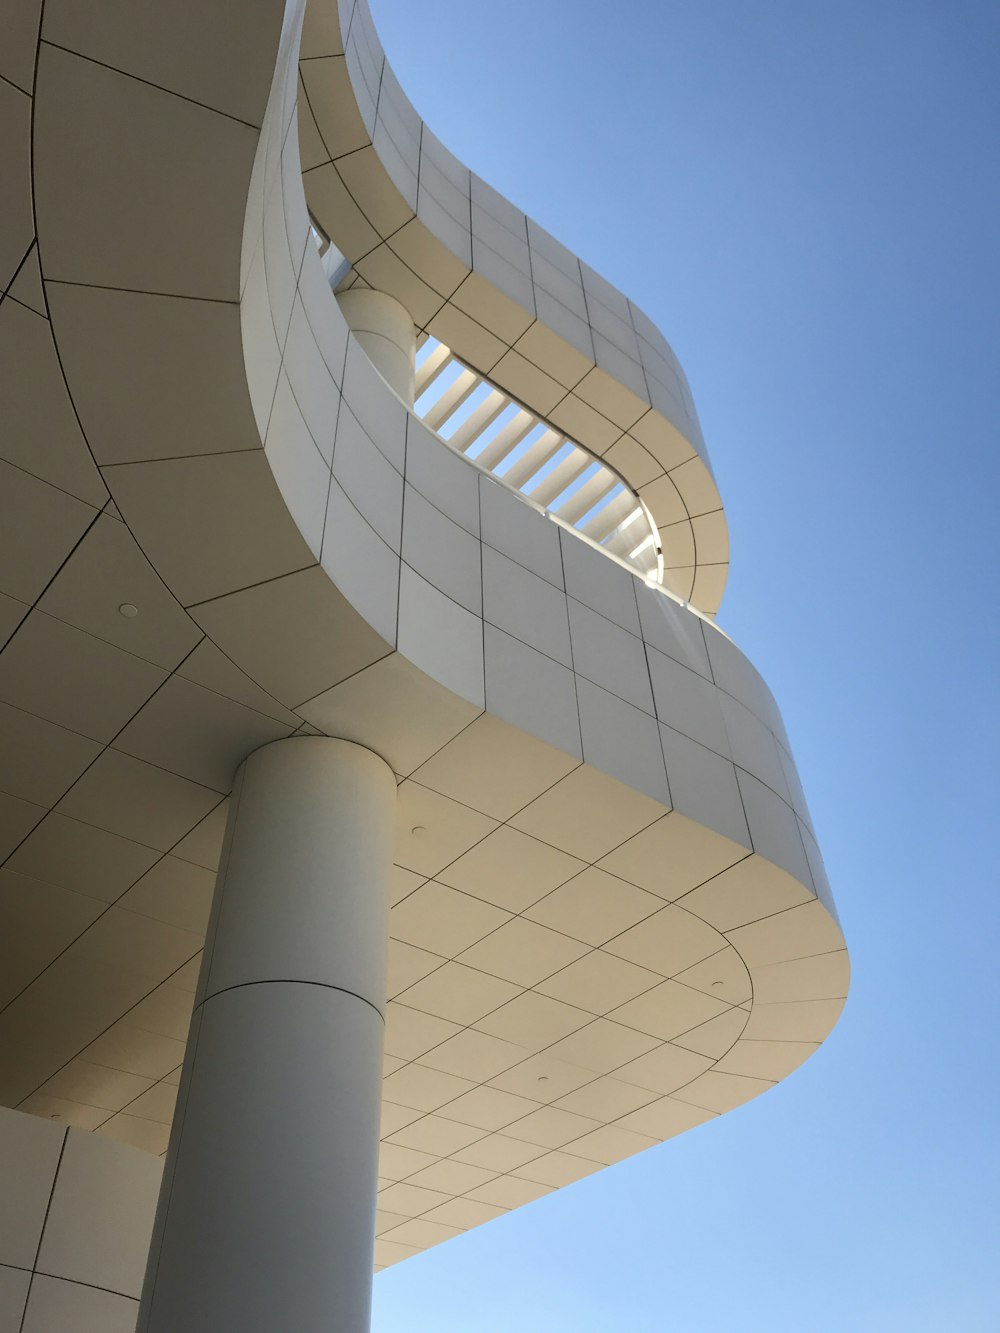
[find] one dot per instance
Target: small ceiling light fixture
(128, 610)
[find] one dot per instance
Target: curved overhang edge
(596, 591)
(703, 752)
(504, 294)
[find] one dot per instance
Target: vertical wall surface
(76, 1213)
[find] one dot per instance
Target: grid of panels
(479, 420)
(504, 295)
(120, 734)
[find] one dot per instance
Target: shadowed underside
(611, 921)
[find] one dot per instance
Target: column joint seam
(290, 981)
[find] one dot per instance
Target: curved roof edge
(209, 392)
(502, 293)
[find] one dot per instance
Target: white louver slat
(506, 441)
(583, 500)
(532, 458)
(609, 516)
(453, 397)
(563, 475)
(430, 368)
(484, 415)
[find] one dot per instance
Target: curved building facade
(391, 835)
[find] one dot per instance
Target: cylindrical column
(385, 330)
(266, 1219)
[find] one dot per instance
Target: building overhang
(612, 921)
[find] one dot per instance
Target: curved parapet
(77, 1212)
(611, 919)
(532, 458)
(502, 293)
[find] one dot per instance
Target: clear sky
(804, 195)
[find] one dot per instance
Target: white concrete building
(400, 600)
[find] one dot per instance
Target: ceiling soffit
(541, 885)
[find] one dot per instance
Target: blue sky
(804, 196)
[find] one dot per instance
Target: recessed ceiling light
(128, 610)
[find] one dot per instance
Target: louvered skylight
(530, 456)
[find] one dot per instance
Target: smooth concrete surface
(267, 1216)
(76, 1212)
